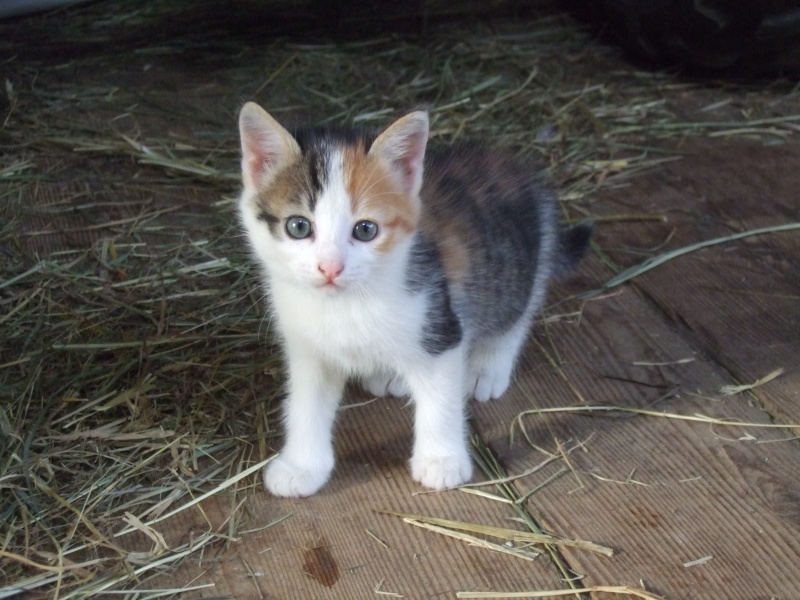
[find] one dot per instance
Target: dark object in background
(742, 38)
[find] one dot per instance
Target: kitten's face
(328, 213)
(335, 230)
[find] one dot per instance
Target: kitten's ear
(403, 145)
(265, 144)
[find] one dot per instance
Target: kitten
(417, 273)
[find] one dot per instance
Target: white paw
(490, 384)
(282, 478)
(441, 472)
(387, 384)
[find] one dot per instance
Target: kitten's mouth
(330, 287)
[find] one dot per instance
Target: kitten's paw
(398, 387)
(282, 478)
(490, 384)
(387, 384)
(441, 472)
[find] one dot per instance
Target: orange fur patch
(454, 255)
(375, 194)
(276, 196)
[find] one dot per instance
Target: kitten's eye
(298, 227)
(365, 231)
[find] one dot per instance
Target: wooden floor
(692, 509)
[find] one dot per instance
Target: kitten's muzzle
(330, 270)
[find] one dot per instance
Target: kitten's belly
(359, 336)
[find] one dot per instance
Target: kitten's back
(494, 225)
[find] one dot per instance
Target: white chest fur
(360, 331)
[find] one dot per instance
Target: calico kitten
(419, 273)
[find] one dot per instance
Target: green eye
(298, 227)
(365, 231)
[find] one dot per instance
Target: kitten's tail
(572, 245)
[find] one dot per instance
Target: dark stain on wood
(320, 565)
(646, 518)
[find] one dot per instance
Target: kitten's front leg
(306, 460)
(440, 458)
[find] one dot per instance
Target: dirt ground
(134, 345)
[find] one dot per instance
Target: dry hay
(136, 368)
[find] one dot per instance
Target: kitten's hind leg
(491, 362)
(306, 460)
(492, 359)
(386, 383)
(440, 458)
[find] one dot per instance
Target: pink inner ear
(403, 145)
(265, 144)
(413, 168)
(260, 152)
(411, 164)
(257, 160)
(408, 161)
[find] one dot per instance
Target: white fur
(440, 458)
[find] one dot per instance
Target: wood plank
(741, 301)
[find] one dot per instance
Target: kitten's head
(330, 210)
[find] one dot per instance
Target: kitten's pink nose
(331, 270)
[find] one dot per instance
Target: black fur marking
(316, 145)
(316, 174)
(313, 137)
(271, 220)
(442, 329)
